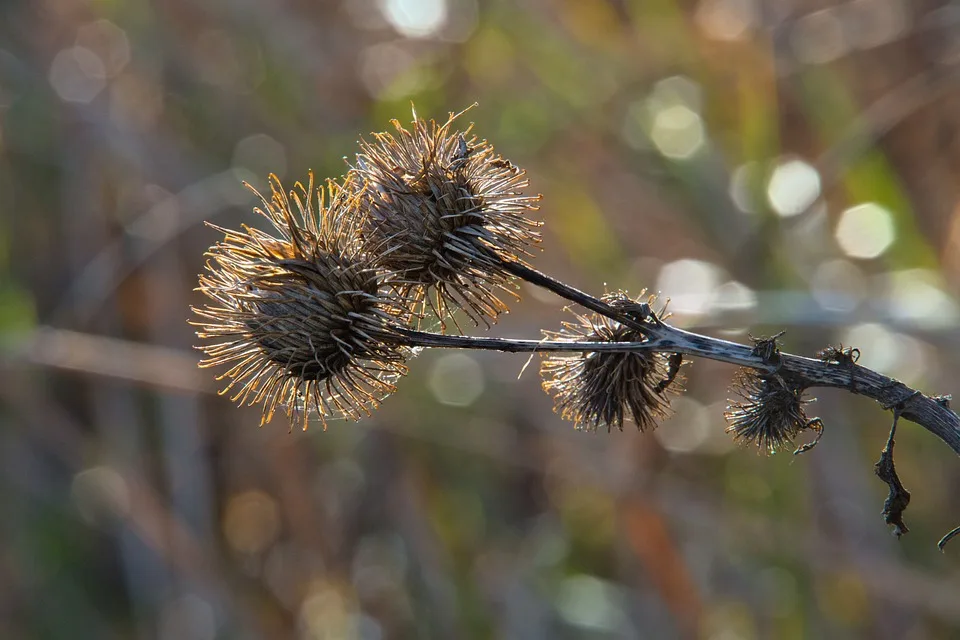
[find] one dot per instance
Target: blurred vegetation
(765, 165)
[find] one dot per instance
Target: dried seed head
(602, 388)
(769, 412)
(444, 210)
(295, 314)
(839, 355)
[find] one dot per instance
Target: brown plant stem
(933, 415)
(412, 338)
(531, 275)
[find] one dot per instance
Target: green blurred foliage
(141, 504)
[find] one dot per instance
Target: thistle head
(597, 389)
(299, 314)
(768, 412)
(444, 211)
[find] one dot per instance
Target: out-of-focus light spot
(734, 296)
(727, 19)
(668, 118)
(326, 612)
(917, 297)
(865, 231)
(189, 616)
(230, 187)
(676, 128)
(689, 284)
(457, 380)
(461, 21)
(838, 285)
(742, 185)
(819, 37)
(809, 240)
(415, 18)
(588, 602)
(251, 521)
(793, 187)
(717, 441)
(687, 429)
(888, 352)
(878, 346)
(109, 42)
(872, 23)
(677, 132)
(77, 75)
(673, 91)
(388, 71)
(100, 494)
(261, 155)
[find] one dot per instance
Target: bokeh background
(789, 165)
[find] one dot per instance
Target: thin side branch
(412, 338)
(572, 294)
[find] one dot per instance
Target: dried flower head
(603, 388)
(769, 412)
(846, 356)
(444, 211)
(300, 315)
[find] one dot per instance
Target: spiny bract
(298, 315)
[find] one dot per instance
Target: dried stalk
(930, 412)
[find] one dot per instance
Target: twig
(143, 363)
(947, 538)
(931, 414)
(412, 338)
(898, 498)
(585, 300)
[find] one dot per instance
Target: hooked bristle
(444, 211)
(597, 389)
(295, 314)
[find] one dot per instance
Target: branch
(572, 294)
(412, 338)
(931, 413)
